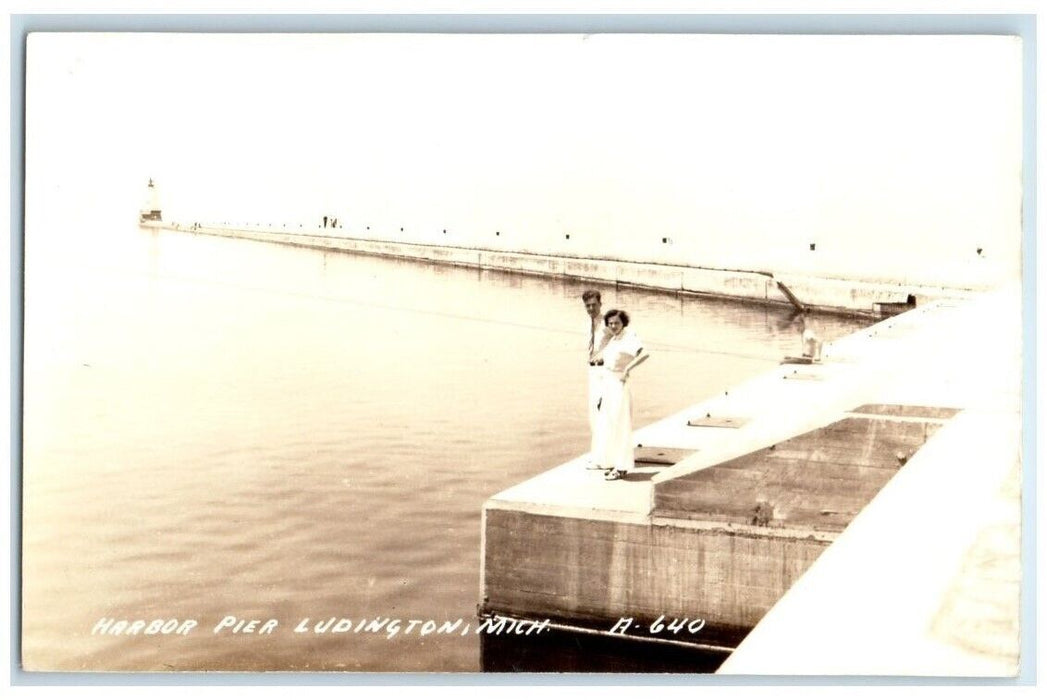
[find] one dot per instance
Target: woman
(621, 353)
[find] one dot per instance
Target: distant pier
(830, 295)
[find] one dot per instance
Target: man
(596, 333)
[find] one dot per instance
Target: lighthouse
(151, 209)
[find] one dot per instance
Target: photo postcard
(690, 353)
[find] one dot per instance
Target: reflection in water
(216, 427)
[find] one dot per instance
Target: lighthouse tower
(151, 210)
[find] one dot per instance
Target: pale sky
(719, 143)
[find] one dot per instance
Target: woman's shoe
(613, 475)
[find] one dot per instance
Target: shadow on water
(572, 652)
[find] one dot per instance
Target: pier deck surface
(925, 579)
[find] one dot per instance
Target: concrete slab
(815, 481)
(711, 421)
(926, 580)
(655, 456)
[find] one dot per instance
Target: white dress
(615, 435)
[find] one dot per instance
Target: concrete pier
(868, 298)
(796, 467)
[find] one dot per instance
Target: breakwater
(738, 497)
(826, 294)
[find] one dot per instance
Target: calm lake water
(219, 427)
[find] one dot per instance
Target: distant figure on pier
(621, 352)
(810, 343)
(595, 333)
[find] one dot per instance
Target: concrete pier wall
(599, 570)
(727, 540)
(772, 475)
(823, 293)
(816, 481)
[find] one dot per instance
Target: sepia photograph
(484, 352)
